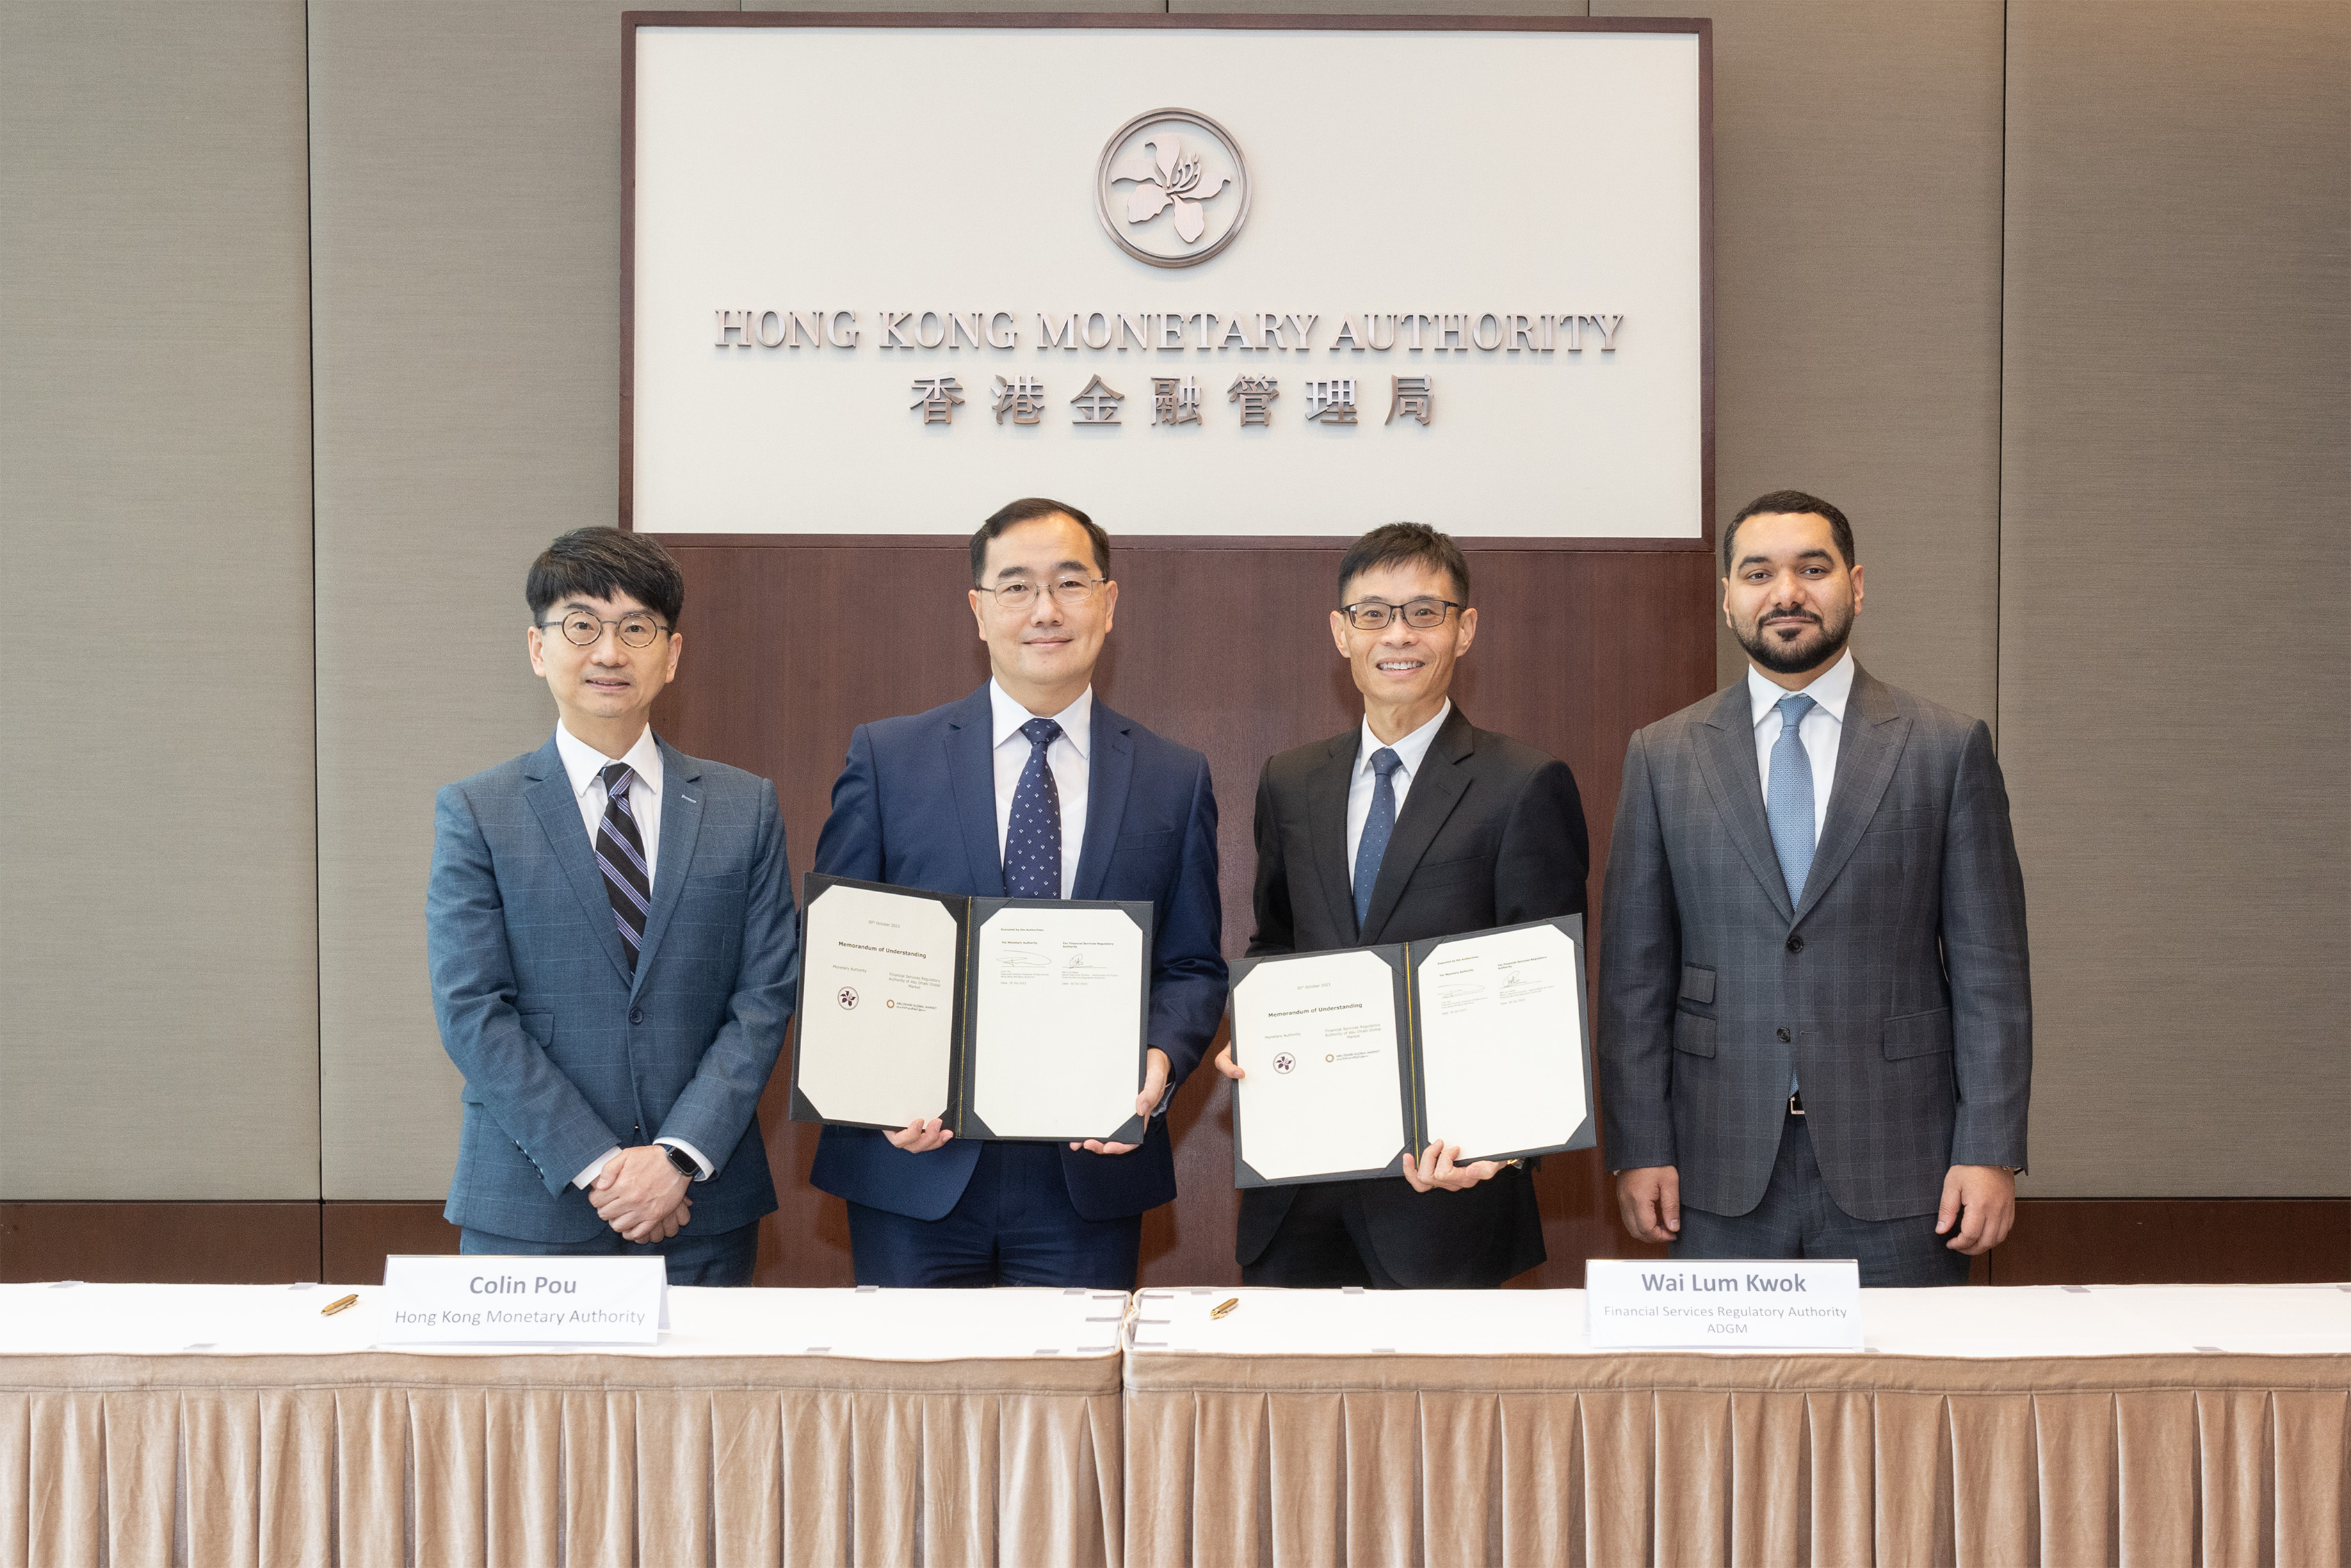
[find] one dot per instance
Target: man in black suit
(1414, 823)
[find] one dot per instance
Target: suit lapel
(1326, 827)
(971, 776)
(1436, 790)
(558, 809)
(681, 825)
(1726, 759)
(1110, 764)
(1874, 735)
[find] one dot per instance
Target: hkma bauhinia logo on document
(1285, 1062)
(848, 997)
(1171, 187)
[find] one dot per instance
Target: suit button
(1783, 1037)
(1795, 944)
(636, 1015)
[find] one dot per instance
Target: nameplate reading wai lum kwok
(1723, 1305)
(524, 1301)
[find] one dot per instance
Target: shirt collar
(1077, 720)
(1830, 690)
(1411, 748)
(582, 762)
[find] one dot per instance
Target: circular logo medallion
(1171, 188)
(1285, 1062)
(848, 997)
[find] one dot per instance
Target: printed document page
(877, 1024)
(1057, 1000)
(1501, 1037)
(1317, 1037)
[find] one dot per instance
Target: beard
(1825, 641)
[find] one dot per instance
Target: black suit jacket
(1491, 834)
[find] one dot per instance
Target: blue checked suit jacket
(915, 806)
(1893, 983)
(566, 1051)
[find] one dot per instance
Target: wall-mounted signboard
(1212, 277)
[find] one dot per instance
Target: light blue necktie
(1378, 828)
(1788, 802)
(1032, 842)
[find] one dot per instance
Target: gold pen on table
(332, 1308)
(1221, 1308)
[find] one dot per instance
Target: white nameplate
(524, 1301)
(1723, 1305)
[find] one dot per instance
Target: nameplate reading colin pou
(480, 1300)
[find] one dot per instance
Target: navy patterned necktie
(621, 853)
(1032, 845)
(1378, 829)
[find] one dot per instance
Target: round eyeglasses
(1066, 591)
(636, 631)
(1371, 614)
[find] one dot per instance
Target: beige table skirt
(523, 1461)
(1296, 1460)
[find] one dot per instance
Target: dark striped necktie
(620, 853)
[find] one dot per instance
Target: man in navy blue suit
(1031, 788)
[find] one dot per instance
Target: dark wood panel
(2057, 1242)
(180, 1243)
(354, 1239)
(1226, 648)
(2175, 1241)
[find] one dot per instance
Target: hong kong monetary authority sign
(1200, 280)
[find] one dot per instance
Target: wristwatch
(682, 1160)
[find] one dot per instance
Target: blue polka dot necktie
(1378, 829)
(1032, 845)
(621, 855)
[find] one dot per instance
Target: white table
(2054, 1424)
(768, 1427)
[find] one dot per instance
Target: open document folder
(1007, 1018)
(1358, 1058)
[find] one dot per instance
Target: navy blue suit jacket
(566, 1051)
(915, 807)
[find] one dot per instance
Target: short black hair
(1393, 543)
(1028, 510)
(1794, 503)
(605, 563)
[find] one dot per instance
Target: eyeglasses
(1370, 615)
(1066, 591)
(636, 631)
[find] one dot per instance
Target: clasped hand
(924, 1134)
(1433, 1171)
(641, 1194)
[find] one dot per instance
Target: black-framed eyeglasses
(1371, 615)
(637, 631)
(1066, 591)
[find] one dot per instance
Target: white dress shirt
(1412, 750)
(1067, 759)
(584, 766)
(1822, 728)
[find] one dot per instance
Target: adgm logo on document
(1172, 187)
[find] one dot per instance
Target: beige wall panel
(160, 1027)
(1856, 295)
(2173, 654)
(466, 232)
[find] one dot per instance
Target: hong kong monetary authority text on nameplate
(1723, 1305)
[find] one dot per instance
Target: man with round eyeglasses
(584, 898)
(1412, 824)
(1031, 788)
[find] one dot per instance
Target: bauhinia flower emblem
(1169, 180)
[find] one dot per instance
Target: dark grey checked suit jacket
(1893, 983)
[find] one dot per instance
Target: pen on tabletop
(332, 1308)
(1222, 1308)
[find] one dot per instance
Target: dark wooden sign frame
(1700, 26)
